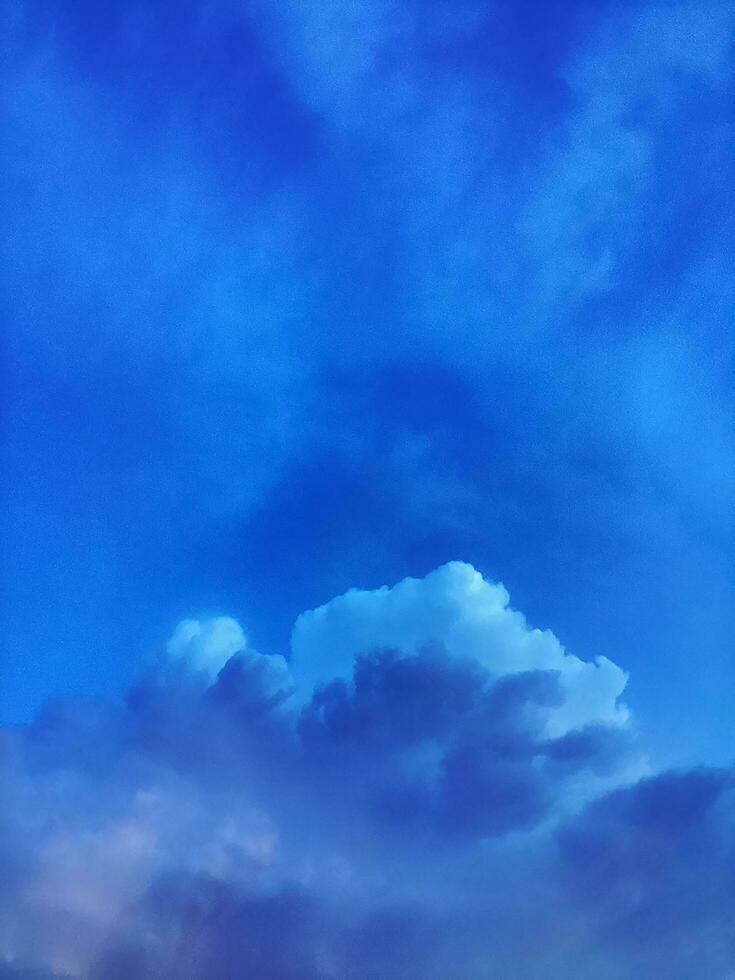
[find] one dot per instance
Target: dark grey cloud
(652, 865)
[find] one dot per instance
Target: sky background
(402, 298)
(315, 295)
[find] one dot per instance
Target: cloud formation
(417, 805)
(473, 619)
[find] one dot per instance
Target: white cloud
(206, 644)
(453, 606)
(468, 616)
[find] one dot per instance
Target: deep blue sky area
(367, 521)
(306, 296)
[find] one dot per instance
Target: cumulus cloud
(470, 617)
(206, 645)
(417, 809)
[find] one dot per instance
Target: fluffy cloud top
(470, 617)
(206, 645)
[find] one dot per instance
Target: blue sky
(286, 317)
(313, 296)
